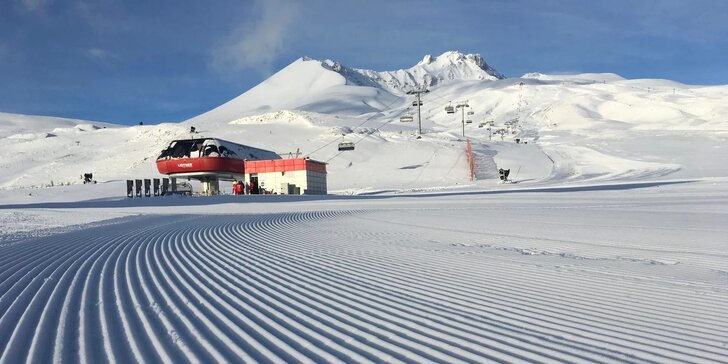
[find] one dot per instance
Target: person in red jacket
(237, 188)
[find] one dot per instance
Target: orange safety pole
(471, 159)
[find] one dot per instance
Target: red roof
(284, 165)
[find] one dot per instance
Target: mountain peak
(451, 57)
(430, 71)
(459, 59)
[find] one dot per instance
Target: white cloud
(99, 54)
(254, 45)
(34, 5)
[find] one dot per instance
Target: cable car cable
(356, 127)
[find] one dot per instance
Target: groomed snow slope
(628, 273)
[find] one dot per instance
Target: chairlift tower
(462, 106)
(418, 103)
(490, 124)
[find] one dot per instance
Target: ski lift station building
(293, 176)
(211, 160)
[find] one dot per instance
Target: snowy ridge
(20, 126)
(576, 78)
(305, 84)
(431, 71)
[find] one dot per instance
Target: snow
(25, 126)
(292, 88)
(610, 247)
(431, 71)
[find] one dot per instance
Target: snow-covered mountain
(431, 71)
(579, 128)
(329, 87)
(18, 126)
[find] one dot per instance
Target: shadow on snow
(212, 200)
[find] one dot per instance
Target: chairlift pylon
(414, 103)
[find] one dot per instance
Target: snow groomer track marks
(294, 287)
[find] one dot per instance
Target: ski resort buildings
(211, 160)
(295, 176)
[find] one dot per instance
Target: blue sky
(158, 61)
